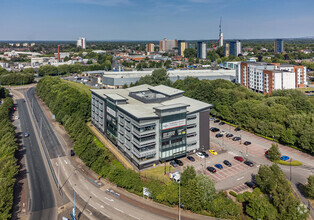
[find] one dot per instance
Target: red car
(267, 152)
(238, 158)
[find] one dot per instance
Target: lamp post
(179, 199)
(290, 169)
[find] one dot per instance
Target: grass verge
(81, 87)
(287, 163)
(157, 173)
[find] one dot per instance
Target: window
(191, 117)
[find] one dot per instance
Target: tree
(274, 153)
(47, 70)
(206, 188)
(310, 187)
(188, 174)
(190, 53)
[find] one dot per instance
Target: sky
(154, 19)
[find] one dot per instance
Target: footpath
(128, 197)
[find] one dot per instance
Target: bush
(287, 163)
(233, 193)
(309, 188)
(274, 153)
(243, 197)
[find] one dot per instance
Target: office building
(266, 77)
(166, 45)
(150, 47)
(151, 124)
(227, 49)
(182, 45)
(114, 80)
(81, 42)
(278, 46)
(235, 48)
(201, 50)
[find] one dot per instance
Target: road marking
(232, 153)
(105, 202)
(105, 214)
(240, 178)
(134, 217)
(118, 210)
(90, 213)
(65, 162)
(111, 200)
(57, 164)
(94, 194)
(102, 206)
(93, 206)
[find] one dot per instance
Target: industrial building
(151, 124)
(201, 50)
(114, 80)
(266, 77)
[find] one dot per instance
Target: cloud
(104, 2)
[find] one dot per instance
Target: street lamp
(179, 198)
(290, 168)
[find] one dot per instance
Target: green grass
(287, 163)
(305, 89)
(156, 173)
(79, 86)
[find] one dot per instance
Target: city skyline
(105, 20)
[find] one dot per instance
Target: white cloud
(104, 2)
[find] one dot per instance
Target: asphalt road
(51, 141)
(42, 197)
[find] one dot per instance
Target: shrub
(233, 193)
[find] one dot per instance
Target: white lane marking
(90, 213)
(105, 214)
(102, 206)
(118, 210)
(98, 203)
(93, 206)
(134, 217)
(94, 194)
(232, 153)
(240, 178)
(111, 200)
(65, 162)
(57, 164)
(104, 202)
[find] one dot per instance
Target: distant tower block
(221, 38)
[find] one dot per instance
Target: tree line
(72, 109)
(16, 78)
(8, 162)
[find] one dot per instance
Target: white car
(200, 155)
(223, 132)
(16, 117)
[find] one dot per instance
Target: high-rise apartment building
(150, 47)
(227, 49)
(182, 45)
(278, 46)
(235, 48)
(151, 124)
(266, 77)
(201, 50)
(81, 42)
(166, 45)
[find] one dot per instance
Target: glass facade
(111, 121)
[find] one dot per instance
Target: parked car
(213, 129)
(211, 169)
(238, 158)
(173, 163)
(212, 119)
(247, 143)
(14, 108)
(251, 184)
(226, 162)
(219, 166)
(190, 158)
(266, 152)
(237, 129)
(216, 121)
(284, 158)
(222, 123)
(26, 134)
(249, 163)
(219, 135)
(205, 154)
(229, 135)
(236, 138)
(179, 162)
(16, 117)
(72, 153)
(213, 152)
(200, 155)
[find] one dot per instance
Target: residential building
(278, 46)
(113, 80)
(182, 45)
(201, 50)
(151, 124)
(227, 49)
(150, 47)
(235, 48)
(166, 45)
(266, 77)
(81, 42)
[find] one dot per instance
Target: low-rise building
(151, 124)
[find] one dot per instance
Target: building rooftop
(141, 106)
